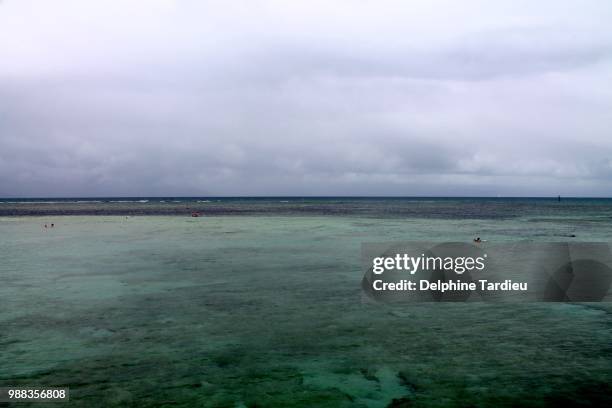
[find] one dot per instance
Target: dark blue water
(381, 207)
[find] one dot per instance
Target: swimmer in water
(477, 240)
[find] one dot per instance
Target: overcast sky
(334, 97)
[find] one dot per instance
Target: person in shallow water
(477, 240)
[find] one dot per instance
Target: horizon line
(295, 196)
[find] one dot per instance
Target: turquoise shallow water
(267, 311)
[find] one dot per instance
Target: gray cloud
(268, 98)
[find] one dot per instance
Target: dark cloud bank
(268, 98)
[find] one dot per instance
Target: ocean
(257, 303)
